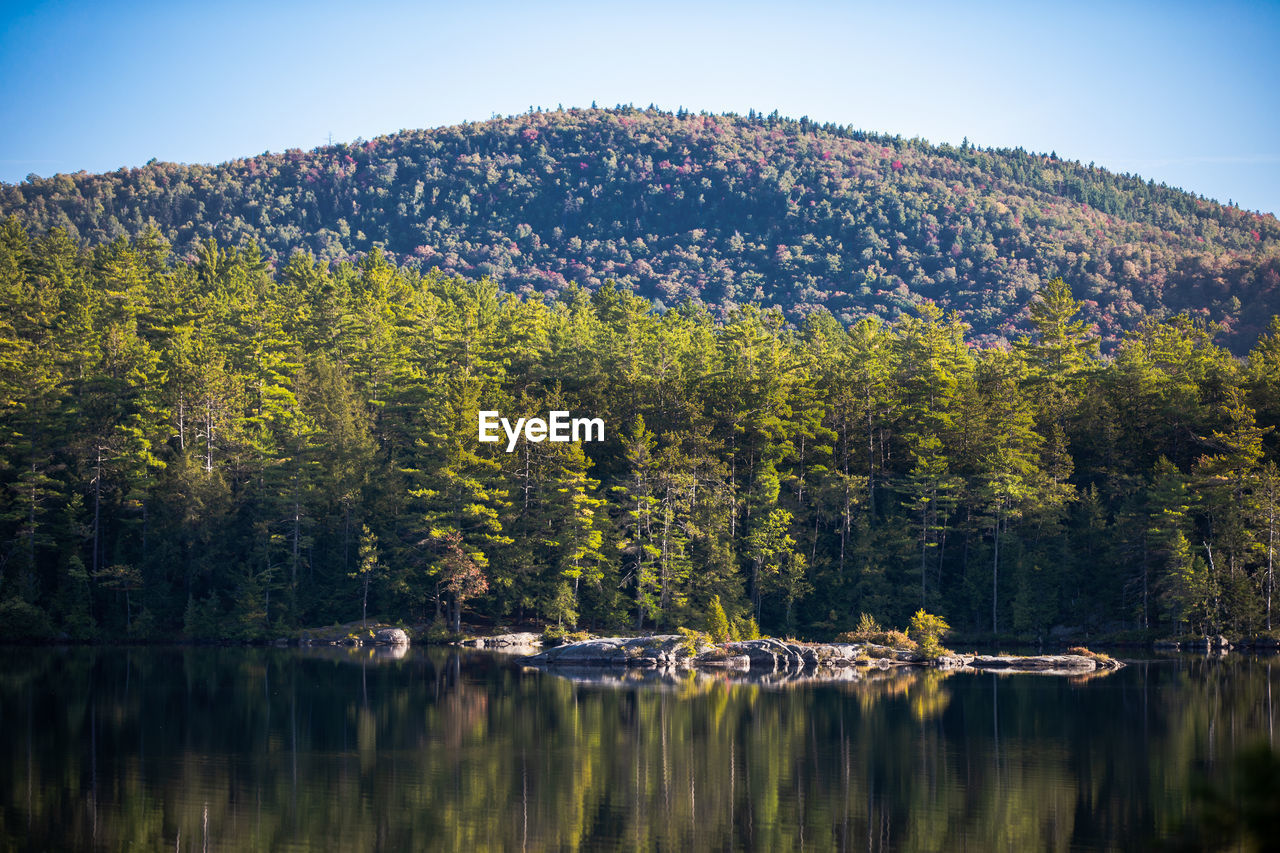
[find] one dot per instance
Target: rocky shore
(835, 661)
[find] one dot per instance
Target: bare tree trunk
(31, 523)
(182, 423)
(1213, 573)
(1145, 623)
(924, 549)
(97, 508)
(995, 577)
(871, 464)
(1271, 556)
(208, 436)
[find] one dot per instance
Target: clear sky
(1187, 94)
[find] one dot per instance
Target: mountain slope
(726, 209)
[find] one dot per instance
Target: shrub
(692, 641)
(1081, 650)
(869, 631)
(23, 622)
(747, 629)
(897, 639)
(927, 630)
(439, 632)
(718, 622)
(202, 618)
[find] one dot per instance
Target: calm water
(216, 749)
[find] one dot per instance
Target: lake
(326, 749)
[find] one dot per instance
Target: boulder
(770, 655)
(391, 637)
(1043, 663)
(662, 650)
(522, 639)
(720, 659)
(519, 640)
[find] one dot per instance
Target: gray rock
(770, 655)
(391, 637)
(779, 660)
(516, 641)
(721, 659)
(523, 639)
(656, 651)
(1043, 663)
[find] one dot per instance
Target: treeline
(728, 210)
(214, 448)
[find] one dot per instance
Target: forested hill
(726, 209)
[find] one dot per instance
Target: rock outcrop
(777, 658)
(660, 650)
(1043, 663)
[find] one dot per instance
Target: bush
(927, 630)
(718, 622)
(1081, 650)
(746, 629)
(201, 619)
(867, 625)
(897, 639)
(23, 622)
(145, 626)
(692, 641)
(870, 632)
(439, 632)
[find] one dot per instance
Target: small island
(853, 653)
(835, 661)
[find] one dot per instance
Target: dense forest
(216, 448)
(726, 210)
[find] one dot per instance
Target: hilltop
(724, 209)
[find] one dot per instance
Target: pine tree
(367, 568)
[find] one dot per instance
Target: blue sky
(1187, 94)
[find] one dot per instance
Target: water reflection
(330, 748)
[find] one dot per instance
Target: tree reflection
(326, 748)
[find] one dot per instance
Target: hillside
(725, 209)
